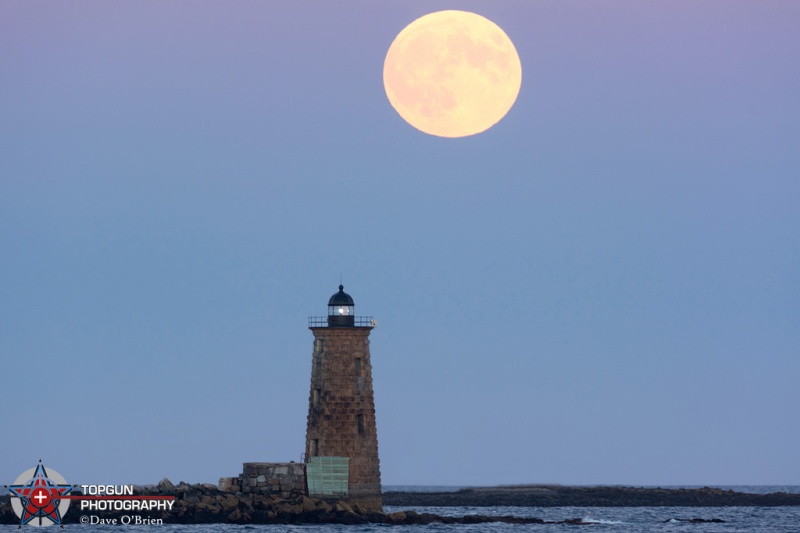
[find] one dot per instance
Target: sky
(603, 288)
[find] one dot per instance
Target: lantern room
(340, 309)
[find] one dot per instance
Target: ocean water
(617, 519)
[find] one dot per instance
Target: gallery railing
(358, 321)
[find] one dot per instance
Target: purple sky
(603, 288)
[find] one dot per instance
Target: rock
(396, 517)
(345, 507)
(191, 495)
(308, 505)
(208, 508)
(260, 502)
(165, 485)
(374, 517)
(229, 503)
(289, 508)
(324, 506)
(350, 518)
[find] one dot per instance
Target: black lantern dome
(340, 309)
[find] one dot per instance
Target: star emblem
(40, 497)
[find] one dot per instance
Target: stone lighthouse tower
(341, 439)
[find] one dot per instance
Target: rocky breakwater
(206, 504)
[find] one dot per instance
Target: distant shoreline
(587, 496)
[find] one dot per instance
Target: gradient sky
(603, 288)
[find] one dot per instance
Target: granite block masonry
(287, 480)
(341, 412)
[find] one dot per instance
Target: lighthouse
(341, 437)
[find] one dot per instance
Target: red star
(40, 497)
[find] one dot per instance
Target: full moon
(452, 74)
